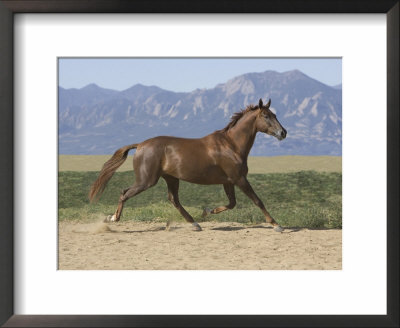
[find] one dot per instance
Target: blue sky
(185, 74)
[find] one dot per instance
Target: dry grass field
(257, 165)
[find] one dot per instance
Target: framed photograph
(320, 81)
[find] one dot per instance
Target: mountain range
(94, 120)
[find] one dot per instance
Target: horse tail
(108, 171)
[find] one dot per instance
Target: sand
(130, 245)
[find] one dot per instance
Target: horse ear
(260, 103)
(268, 103)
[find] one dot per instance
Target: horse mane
(237, 116)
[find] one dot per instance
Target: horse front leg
(230, 192)
(245, 186)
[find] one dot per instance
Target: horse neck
(243, 134)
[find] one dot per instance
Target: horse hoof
(168, 226)
(206, 212)
(110, 218)
(278, 228)
(196, 227)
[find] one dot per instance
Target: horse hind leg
(146, 177)
(173, 187)
(130, 192)
(230, 192)
(127, 193)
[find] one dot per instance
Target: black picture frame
(8, 200)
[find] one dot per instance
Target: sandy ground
(128, 245)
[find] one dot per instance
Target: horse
(217, 158)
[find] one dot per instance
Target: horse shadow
(310, 228)
(287, 229)
(153, 230)
(229, 228)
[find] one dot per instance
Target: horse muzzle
(280, 135)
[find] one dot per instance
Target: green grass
(301, 199)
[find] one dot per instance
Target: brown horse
(218, 158)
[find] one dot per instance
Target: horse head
(268, 123)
